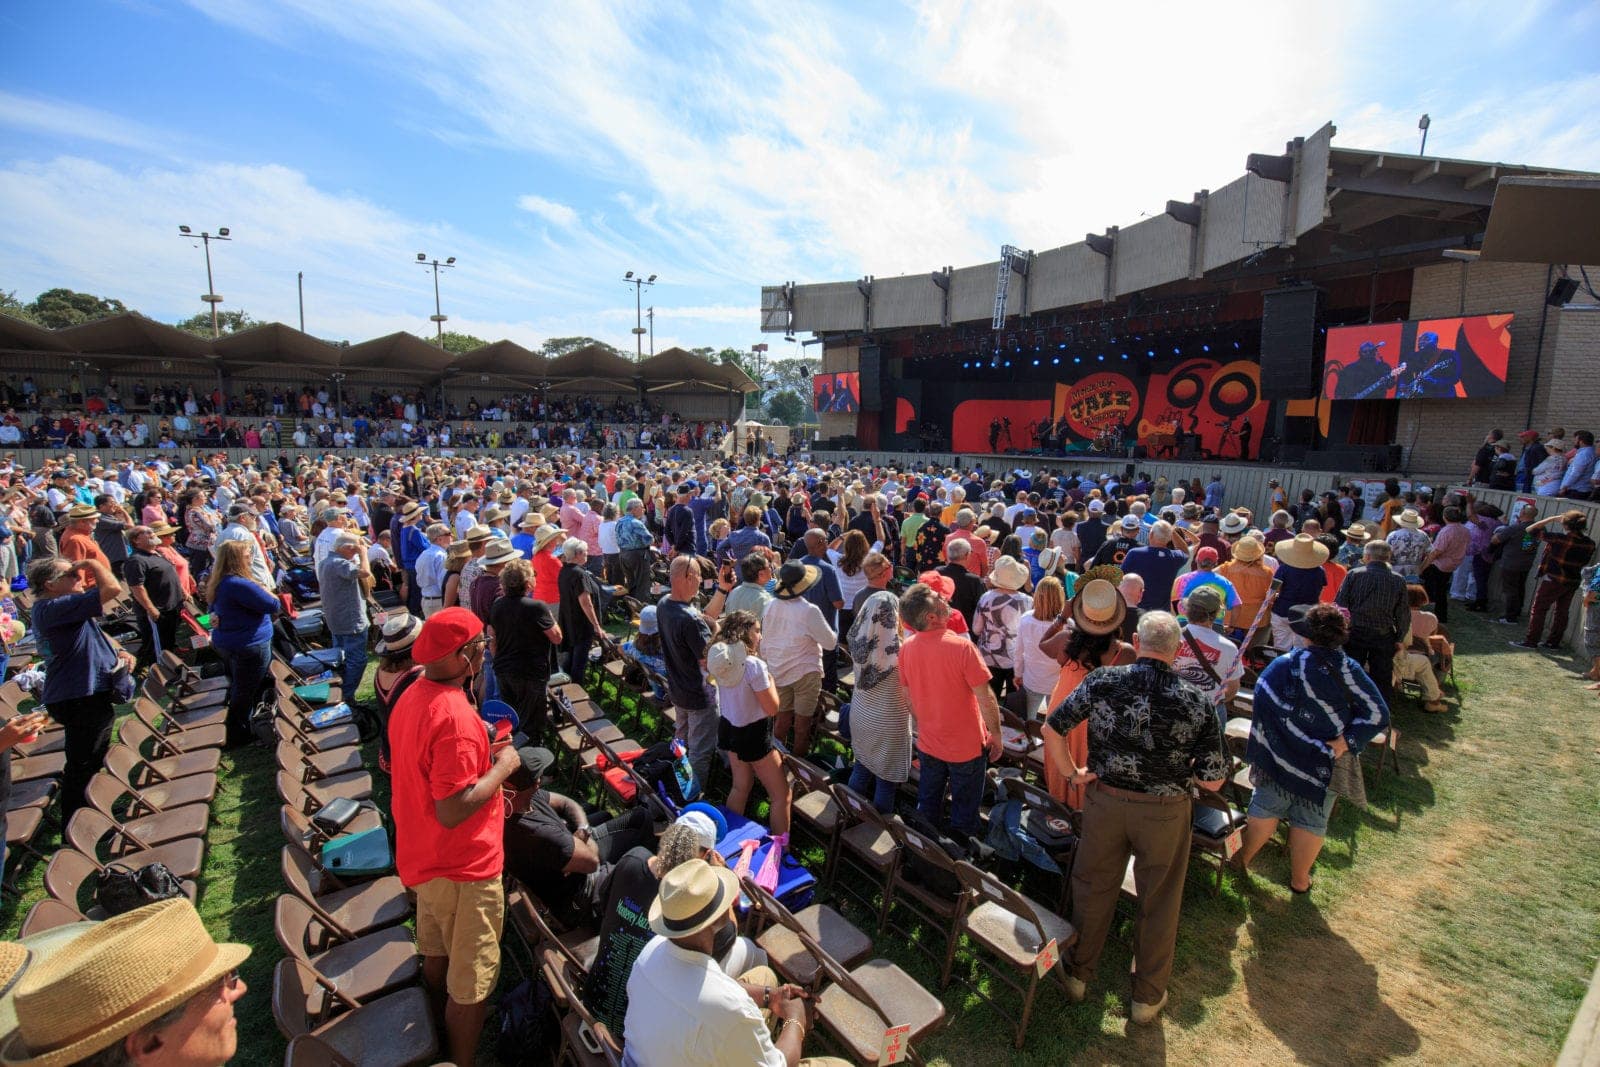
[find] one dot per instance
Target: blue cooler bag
(366, 852)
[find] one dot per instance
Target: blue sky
(551, 147)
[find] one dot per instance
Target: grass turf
(1455, 920)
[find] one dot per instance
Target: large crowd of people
(1120, 617)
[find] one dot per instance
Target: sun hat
(445, 632)
(795, 578)
(412, 512)
(79, 512)
(493, 514)
(399, 633)
(693, 896)
(16, 957)
(163, 529)
(546, 533)
(1410, 519)
(942, 584)
(1098, 608)
(458, 550)
(112, 979)
(1248, 549)
(1049, 560)
(647, 620)
(530, 520)
(709, 824)
(987, 534)
(1557, 444)
(1302, 551)
(725, 662)
(478, 532)
(1234, 523)
(1357, 532)
(1010, 573)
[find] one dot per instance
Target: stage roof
(1313, 210)
(1545, 220)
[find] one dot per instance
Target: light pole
(300, 287)
(437, 318)
(1422, 124)
(210, 296)
(650, 313)
(638, 313)
(338, 396)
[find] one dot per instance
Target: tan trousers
(1156, 832)
(766, 976)
(1415, 667)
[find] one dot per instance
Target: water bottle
(688, 788)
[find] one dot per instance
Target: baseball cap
(1097, 507)
(1206, 598)
(1130, 522)
(1206, 555)
(444, 633)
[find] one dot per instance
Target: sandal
(1301, 892)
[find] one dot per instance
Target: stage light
(1236, 345)
(1177, 351)
(1101, 357)
(1008, 363)
(1077, 359)
(1205, 348)
(1061, 346)
(1035, 363)
(963, 366)
(1151, 353)
(1124, 355)
(1056, 362)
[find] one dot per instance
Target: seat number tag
(1234, 842)
(896, 1045)
(1047, 958)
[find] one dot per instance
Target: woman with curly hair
(1313, 706)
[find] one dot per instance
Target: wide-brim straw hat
(1358, 533)
(1249, 549)
(1049, 559)
(501, 551)
(1009, 573)
(79, 512)
(477, 533)
(399, 633)
(1302, 551)
(693, 896)
(412, 512)
(163, 529)
(544, 535)
(1099, 608)
(111, 980)
(795, 578)
(1410, 518)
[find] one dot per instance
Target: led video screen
(836, 393)
(1420, 359)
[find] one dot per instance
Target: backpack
(935, 880)
(527, 1025)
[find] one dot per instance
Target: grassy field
(1454, 921)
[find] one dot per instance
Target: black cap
(536, 761)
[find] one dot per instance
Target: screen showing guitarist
(1437, 370)
(1368, 378)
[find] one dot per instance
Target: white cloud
(77, 122)
(549, 210)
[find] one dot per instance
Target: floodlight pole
(300, 287)
(210, 296)
(650, 313)
(638, 284)
(438, 318)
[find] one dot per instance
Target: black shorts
(748, 743)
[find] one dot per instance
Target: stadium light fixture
(438, 318)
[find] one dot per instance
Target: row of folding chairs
(347, 991)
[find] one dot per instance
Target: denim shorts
(1272, 801)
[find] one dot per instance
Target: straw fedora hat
(1248, 549)
(399, 633)
(1302, 551)
(412, 512)
(501, 551)
(17, 957)
(1098, 608)
(1358, 533)
(1049, 560)
(1009, 573)
(108, 982)
(725, 663)
(79, 512)
(693, 896)
(1410, 519)
(795, 578)
(163, 529)
(478, 532)
(544, 535)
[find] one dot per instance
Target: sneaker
(1551, 645)
(1435, 707)
(1143, 1014)
(1522, 644)
(1504, 622)
(1077, 989)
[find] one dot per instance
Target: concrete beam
(1372, 166)
(1426, 172)
(1487, 174)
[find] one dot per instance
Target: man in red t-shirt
(958, 720)
(449, 830)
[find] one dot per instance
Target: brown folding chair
(303, 834)
(185, 679)
(339, 770)
(362, 968)
(396, 1030)
(47, 914)
(1218, 829)
(868, 846)
(88, 828)
(584, 1038)
(813, 808)
(843, 940)
(174, 735)
(940, 911)
(1038, 804)
(154, 787)
(1009, 926)
(70, 872)
(857, 1005)
(577, 946)
(352, 910)
(141, 818)
(312, 797)
(43, 765)
(293, 727)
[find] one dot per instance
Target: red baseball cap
(1206, 555)
(444, 633)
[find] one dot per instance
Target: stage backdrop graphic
(836, 393)
(1099, 402)
(1220, 403)
(971, 422)
(1420, 359)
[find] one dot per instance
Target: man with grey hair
(332, 520)
(1150, 734)
(685, 635)
(969, 587)
(343, 577)
(243, 526)
(633, 549)
(1375, 596)
(977, 559)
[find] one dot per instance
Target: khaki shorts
(800, 697)
(462, 922)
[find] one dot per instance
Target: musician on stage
(1359, 380)
(1434, 370)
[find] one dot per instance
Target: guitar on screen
(1381, 384)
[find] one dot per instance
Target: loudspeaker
(1288, 329)
(871, 366)
(1562, 292)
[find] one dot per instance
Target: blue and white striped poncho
(1303, 700)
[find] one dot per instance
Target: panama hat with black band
(794, 579)
(693, 896)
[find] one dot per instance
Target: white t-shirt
(608, 538)
(1067, 541)
(1219, 652)
(793, 637)
(1039, 672)
(683, 1009)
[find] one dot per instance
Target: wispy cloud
(555, 214)
(77, 122)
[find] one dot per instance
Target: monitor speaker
(871, 366)
(1562, 292)
(1288, 330)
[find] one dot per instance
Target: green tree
(785, 406)
(707, 353)
(10, 305)
(560, 346)
(455, 342)
(227, 322)
(56, 308)
(798, 372)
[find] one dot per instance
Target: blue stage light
(1035, 363)
(1151, 353)
(1061, 346)
(1205, 348)
(963, 366)
(1077, 359)
(1124, 355)
(1056, 362)
(1101, 358)
(1177, 351)
(1236, 345)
